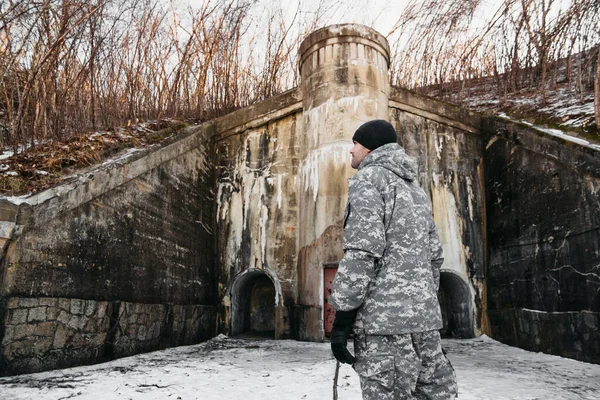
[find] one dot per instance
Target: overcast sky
(381, 14)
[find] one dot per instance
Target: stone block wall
(44, 333)
(47, 333)
(143, 327)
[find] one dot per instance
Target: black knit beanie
(374, 134)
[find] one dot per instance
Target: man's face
(359, 152)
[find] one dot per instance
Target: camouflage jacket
(392, 252)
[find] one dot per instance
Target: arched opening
(253, 305)
(457, 308)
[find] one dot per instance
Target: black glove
(342, 326)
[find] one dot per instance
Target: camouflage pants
(407, 366)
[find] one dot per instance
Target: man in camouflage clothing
(386, 285)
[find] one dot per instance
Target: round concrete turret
(345, 82)
(346, 61)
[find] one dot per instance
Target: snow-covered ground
(234, 369)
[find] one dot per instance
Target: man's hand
(342, 326)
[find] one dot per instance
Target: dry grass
(40, 167)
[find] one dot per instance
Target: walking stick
(335, 380)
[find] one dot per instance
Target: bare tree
(439, 42)
(67, 66)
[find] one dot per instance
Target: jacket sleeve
(364, 243)
(436, 253)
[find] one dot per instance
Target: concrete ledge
(258, 114)
(576, 156)
(93, 182)
(435, 110)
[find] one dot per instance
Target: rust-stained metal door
(328, 311)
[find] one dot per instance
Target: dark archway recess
(457, 308)
(253, 305)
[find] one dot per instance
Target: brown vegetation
(72, 67)
(449, 43)
(44, 165)
(68, 66)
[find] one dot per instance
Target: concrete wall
(281, 178)
(543, 218)
(448, 145)
(517, 209)
(256, 183)
(282, 169)
(120, 260)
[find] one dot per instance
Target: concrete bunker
(457, 307)
(253, 299)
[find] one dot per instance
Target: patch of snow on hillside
(6, 154)
(554, 132)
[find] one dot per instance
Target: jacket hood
(393, 157)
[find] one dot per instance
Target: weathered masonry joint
(235, 226)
